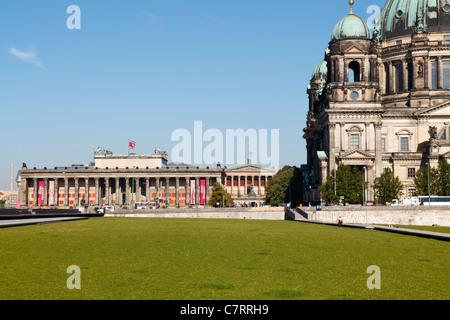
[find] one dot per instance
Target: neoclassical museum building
(129, 180)
(381, 99)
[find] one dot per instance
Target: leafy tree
(217, 196)
(387, 187)
(444, 178)
(285, 185)
(349, 184)
(421, 181)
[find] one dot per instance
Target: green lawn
(139, 258)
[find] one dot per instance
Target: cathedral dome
(351, 27)
(320, 71)
(400, 18)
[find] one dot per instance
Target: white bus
(434, 201)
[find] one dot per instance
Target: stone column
(367, 135)
(138, 190)
(147, 190)
(107, 191)
(157, 188)
(35, 192)
(405, 75)
(332, 160)
(187, 191)
(45, 191)
(439, 72)
(232, 185)
(86, 190)
(177, 189)
(207, 190)
(197, 190)
(245, 184)
(414, 74)
(341, 69)
(76, 201)
(378, 152)
(66, 192)
(426, 73)
(97, 193)
(127, 191)
(167, 189)
(117, 193)
(391, 78)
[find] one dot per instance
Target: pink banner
(51, 193)
(202, 191)
(41, 193)
(192, 191)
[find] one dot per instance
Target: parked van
(103, 210)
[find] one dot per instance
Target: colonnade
(117, 190)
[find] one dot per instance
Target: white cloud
(29, 57)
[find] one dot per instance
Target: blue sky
(141, 69)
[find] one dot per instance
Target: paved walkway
(24, 222)
(405, 231)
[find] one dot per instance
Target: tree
(444, 178)
(387, 187)
(421, 181)
(217, 196)
(285, 186)
(349, 184)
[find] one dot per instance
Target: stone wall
(277, 213)
(421, 216)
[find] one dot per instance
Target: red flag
(131, 144)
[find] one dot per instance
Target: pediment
(249, 168)
(356, 154)
(442, 109)
(354, 49)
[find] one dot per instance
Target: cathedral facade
(381, 99)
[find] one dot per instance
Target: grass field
(184, 259)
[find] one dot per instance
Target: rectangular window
(354, 141)
(446, 74)
(404, 144)
(399, 42)
(412, 193)
(447, 38)
(411, 172)
(383, 144)
(434, 81)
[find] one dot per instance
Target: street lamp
(363, 185)
(429, 196)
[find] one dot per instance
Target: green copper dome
(401, 17)
(320, 71)
(351, 27)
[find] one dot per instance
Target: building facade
(381, 99)
(130, 180)
(123, 180)
(247, 183)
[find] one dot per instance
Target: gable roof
(433, 109)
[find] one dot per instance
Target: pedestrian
(340, 221)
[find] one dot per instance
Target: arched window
(354, 72)
(445, 134)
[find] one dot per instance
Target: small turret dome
(320, 71)
(351, 27)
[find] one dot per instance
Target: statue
(157, 150)
(102, 151)
(433, 133)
